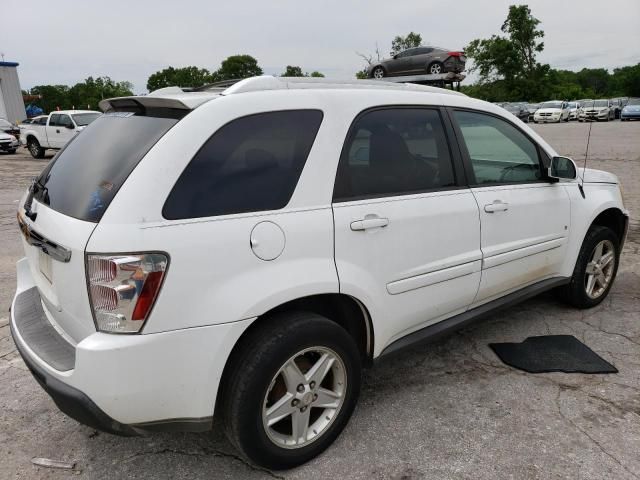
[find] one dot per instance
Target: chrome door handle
(367, 223)
(496, 206)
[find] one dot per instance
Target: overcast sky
(65, 41)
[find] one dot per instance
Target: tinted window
(251, 164)
(41, 121)
(83, 179)
(392, 152)
(499, 152)
(55, 120)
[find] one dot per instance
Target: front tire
(378, 73)
(292, 386)
(436, 68)
(595, 269)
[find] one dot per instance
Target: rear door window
(84, 177)
(394, 151)
(251, 164)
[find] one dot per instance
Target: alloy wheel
(435, 69)
(599, 271)
(304, 397)
(378, 73)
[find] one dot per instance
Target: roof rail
(268, 82)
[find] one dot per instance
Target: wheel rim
(378, 73)
(33, 148)
(599, 271)
(304, 397)
(435, 69)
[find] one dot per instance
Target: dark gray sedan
(419, 60)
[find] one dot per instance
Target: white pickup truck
(54, 131)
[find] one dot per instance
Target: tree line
(88, 93)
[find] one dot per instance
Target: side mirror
(70, 126)
(562, 168)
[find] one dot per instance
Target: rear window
(84, 177)
(251, 164)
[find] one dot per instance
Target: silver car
(419, 60)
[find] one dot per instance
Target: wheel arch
(614, 219)
(378, 65)
(345, 310)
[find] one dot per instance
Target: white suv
(245, 251)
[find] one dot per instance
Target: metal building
(11, 103)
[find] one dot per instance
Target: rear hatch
(67, 200)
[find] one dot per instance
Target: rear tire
(273, 369)
(595, 269)
(35, 149)
(436, 68)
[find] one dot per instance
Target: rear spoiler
(172, 98)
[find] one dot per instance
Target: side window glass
(64, 121)
(251, 164)
(394, 152)
(55, 120)
(499, 152)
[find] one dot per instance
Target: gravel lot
(445, 410)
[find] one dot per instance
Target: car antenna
(584, 168)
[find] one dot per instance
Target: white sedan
(8, 143)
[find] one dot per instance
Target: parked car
(26, 124)
(8, 143)
(554, 111)
(631, 110)
(519, 110)
(532, 108)
(180, 287)
(596, 110)
(573, 107)
(419, 60)
(55, 130)
(7, 127)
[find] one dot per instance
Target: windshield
(84, 177)
(600, 103)
(551, 105)
(634, 101)
(84, 119)
(533, 106)
(572, 105)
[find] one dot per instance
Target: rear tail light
(456, 54)
(123, 289)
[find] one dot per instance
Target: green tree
(400, 43)
(88, 94)
(292, 71)
(239, 66)
(52, 96)
(295, 71)
(512, 58)
(179, 77)
(626, 80)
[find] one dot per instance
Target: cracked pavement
(449, 409)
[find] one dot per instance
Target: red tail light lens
(123, 289)
(455, 54)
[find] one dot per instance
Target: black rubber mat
(552, 353)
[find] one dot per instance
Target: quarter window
(251, 164)
(499, 152)
(393, 152)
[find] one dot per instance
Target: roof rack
(268, 82)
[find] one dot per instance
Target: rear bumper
(124, 384)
